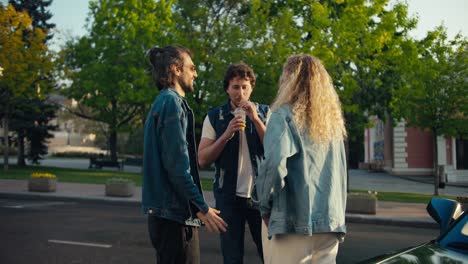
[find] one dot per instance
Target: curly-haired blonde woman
(301, 184)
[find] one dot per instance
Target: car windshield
(457, 238)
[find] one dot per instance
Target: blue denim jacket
(171, 183)
(301, 185)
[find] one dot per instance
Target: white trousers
(295, 248)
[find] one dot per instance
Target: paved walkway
(408, 214)
(387, 212)
(384, 182)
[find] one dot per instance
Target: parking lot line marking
(34, 205)
(79, 243)
(13, 206)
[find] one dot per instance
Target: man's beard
(186, 86)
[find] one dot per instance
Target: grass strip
(405, 197)
(94, 176)
(69, 175)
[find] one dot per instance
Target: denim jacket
(301, 185)
(171, 183)
(224, 187)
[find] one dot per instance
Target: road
(364, 241)
(65, 232)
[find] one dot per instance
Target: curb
(350, 218)
(429, 181)
(406, 222)
(69, 198)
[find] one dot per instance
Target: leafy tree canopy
(435, 93)
(37, 10)
(26, 62)
(108, 67)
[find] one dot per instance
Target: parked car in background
(450, 247)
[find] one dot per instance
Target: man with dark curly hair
(232, 138)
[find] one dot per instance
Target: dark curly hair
(241, 70)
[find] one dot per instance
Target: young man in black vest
(232, 138)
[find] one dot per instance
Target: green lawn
(78, 175)
(69, 175)
(100, 177)
(405, 197)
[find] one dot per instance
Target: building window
(462, 154)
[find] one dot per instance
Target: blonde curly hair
(307, 87)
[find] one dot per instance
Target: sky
(70, 16)
(451, 13)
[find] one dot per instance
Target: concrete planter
(376, 166)
(361, 203)
(42, 184)
(120, 189)
(363, 165)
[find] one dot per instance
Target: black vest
(226, 165)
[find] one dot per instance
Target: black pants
(174, 243)
(236, 214)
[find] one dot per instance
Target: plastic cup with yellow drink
(240, 112)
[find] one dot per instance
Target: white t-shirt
(245, 171)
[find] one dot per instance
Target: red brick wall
(419, 148)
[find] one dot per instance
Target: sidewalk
(388, 213)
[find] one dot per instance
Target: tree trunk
(113, 145)
(435, 161)
(21, 161)
(6, 150)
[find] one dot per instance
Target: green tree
(362, 43)
(24, 57)
(225, 32)
(38, 134)
(37, 10)
(208, 29)
(108, 67)
(30, 120)
(28, 111)
(435, 96)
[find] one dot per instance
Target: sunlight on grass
(80, 176)
(405, 197)
(69, 175)
(100, 177)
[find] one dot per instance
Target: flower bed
(42, 182)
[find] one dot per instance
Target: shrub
(12, 151)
